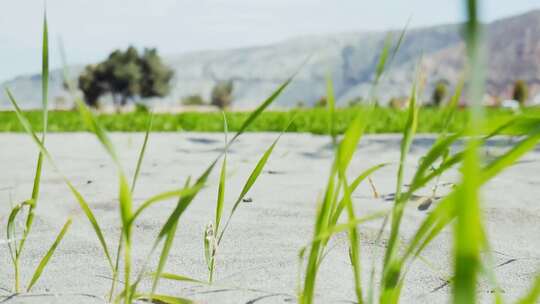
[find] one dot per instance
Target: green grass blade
(168, 231)
(534, 293)
(45, 73)
(507, 159)
(400, 41)
(80, 200)
(92, 124)
(347, 226)
(141, 153)
(164, 255)
(162, 197)
(163, 299)
(45, 111)
(451, 109)
(352, 187)
(307, 293)
(263, 106)
(351, 138)
(331, 105)
(408, 136)
(468, 229)
(390, 271)
(381, 64)
(249, 183)
(180, 278)
(222, 180)
(125, 192)
(354, 247)
(45, 260)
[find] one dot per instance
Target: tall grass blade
(468, 229)
(249, 183)
(92, 124)
(44, 110)
(331, 105)
(222, 178)
(352, 187)
(390, 286)
(141, 153)
(80, 200)
(45, 260)
(264, 105)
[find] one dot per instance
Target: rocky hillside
(513, 48)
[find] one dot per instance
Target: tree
(521, 92)
(156, 77)
(439, 93)
(222, 94)
(126, 75)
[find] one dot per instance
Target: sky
(90, 29)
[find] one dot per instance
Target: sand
(258, 258)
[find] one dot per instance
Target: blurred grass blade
(45, 260)
(141, 153)
(331, 105)
(399, 42)
(468, 228)
(266, 104)
(92, 124)
(381, 64)
(534, 293)
(45, 73)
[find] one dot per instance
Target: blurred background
(174, 55)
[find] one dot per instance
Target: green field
(384, 120)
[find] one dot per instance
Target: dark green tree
(156, 77)
(222, 94)
(521, 92)
(439, 93)
(126, 75)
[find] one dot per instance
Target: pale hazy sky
(90, 29)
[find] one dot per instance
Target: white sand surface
(258, 258)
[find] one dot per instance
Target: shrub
(521, 92)
(439, 93)
(222, 94)
(193, 100)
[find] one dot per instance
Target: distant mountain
(351, 58)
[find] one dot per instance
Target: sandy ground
(258, 259)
